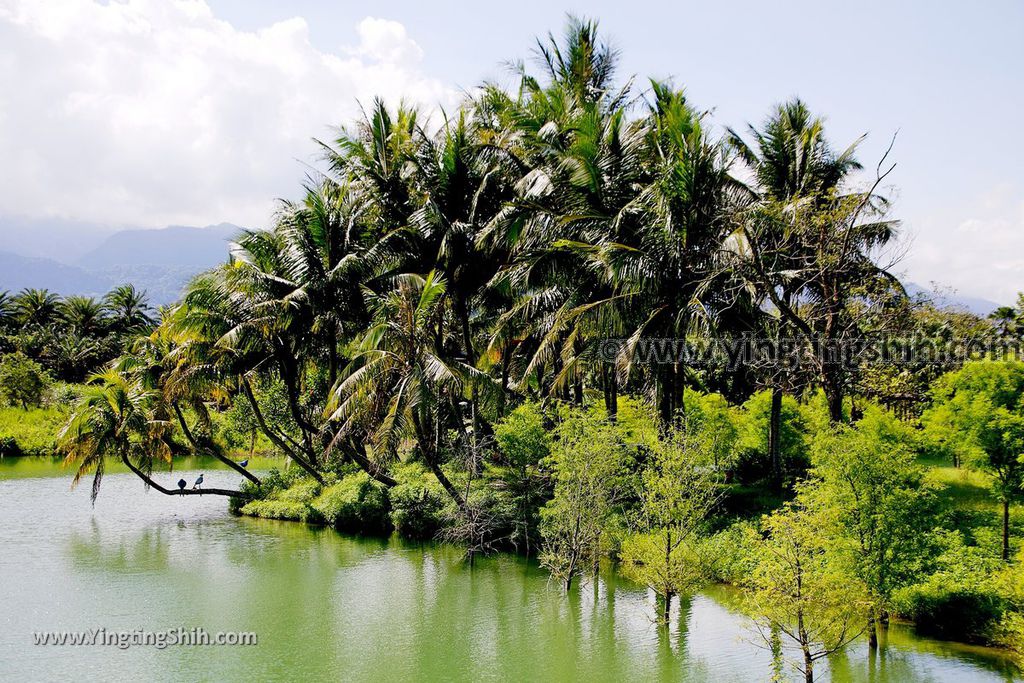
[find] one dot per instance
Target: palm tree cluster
(72, 336)
(436, 272)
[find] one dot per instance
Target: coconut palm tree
(402, 385)
(805, 269)
(84, 315)
(129, 309)
(116, 420)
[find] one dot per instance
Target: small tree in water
(799, 593)
(677, 492)
(875, 505)
(588, 462)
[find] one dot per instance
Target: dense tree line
(71, 336)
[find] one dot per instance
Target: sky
(156, 112)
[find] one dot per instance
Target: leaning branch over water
(183, 492)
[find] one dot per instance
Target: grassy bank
(30, 432)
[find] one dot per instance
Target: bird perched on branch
(244, 463)
(181, 485)
(198, 483)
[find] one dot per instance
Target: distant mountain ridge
(159, 261)
(19, 272)
(950, 299)
(176, 246)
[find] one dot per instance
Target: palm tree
(116, 420)
(1005, 318)
(791, 161)
(84, 315)
(129, 309)
(38, 308)
(7, 311)
(401, 385)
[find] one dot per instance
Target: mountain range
(82, 258)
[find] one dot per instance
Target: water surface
(331, 607)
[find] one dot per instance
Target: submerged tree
(589, 463)
(798, 591)
(874, 506)
(678, 490)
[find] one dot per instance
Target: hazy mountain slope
(53, 238)
(19, 272)
(950, 299)
(175, 246)
(160, 261)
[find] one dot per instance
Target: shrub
(960, 600)
(22, 380)
(522, 436)
(34, 430)
(355, 504)
(9, 447)
(417, 505)
(280, 509)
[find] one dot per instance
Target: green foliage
(31, 432)
(960, 598)
(799, 590)
(280, 509)
(22, 381)
(355, 504)
(752, 437)
(523, 437)
(239, 428)
(873, 502)
(417, 504)
(978, 416)
(679, 486)
(718, 424)
(590, 463)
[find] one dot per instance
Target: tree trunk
(376, 472)
(446, 484)
(666, 614)
(775, 438)
(872, 633)
(610, 384)
(181, 492)
(210, 451)
(506, 357)
(1006, 529)
(808, 666)
(665, 408)
(834, 396)
(247, 390)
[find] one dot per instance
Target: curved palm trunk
(210, 451)
(426, 445)
(375, 471)
(272, 435)
(181, 492)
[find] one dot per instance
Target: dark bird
(181, 485)
(199, 481)
(244, 463)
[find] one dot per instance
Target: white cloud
(151, 112)
(982, 255)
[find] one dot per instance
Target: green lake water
(336, 608)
